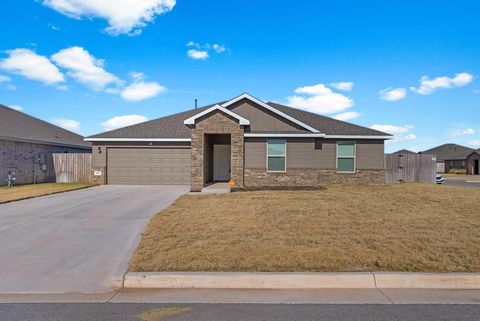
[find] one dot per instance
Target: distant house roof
(449, 152)
(403, 152)
(173, 126)
(17, 126)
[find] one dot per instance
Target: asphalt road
(451, 182)
(239, 312)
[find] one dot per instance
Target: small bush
(457, 171)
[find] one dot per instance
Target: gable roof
(192, 120)
(173, 127)
(18, 126)
(449, 152)
(404, 152)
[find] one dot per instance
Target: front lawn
(408, 227)
(21, 192)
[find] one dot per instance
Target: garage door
(152, 166)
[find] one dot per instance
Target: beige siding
(262, 119)
(301, 153)
(370, 155)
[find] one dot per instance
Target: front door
(476, 169)
(221, 163)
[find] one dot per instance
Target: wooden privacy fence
(70, 168)
(411, 168)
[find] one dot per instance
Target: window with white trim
(276, 155)
(346, 157)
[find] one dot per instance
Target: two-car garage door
(149, 166)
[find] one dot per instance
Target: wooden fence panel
(70, 167)
(410, 168)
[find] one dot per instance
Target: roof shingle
(15, 125)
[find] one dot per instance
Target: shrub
(457, 171)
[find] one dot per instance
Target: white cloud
(343, 85)
(462, 132)
(393, 94)
(347, 116)
(428, 86)
(16, 107)
(27, 63)
(219, 48)
(67, 124)
(392, 129)
(85, 68)
(198, 54)
(141, 90)
(474, 143)
(5, 81)
(123, 16)
(202, 52)
(123, 121)
(319, 99)
(401, 133)
(4, 78)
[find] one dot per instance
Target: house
(246, 140)
(404, 152)
(27, 144)
(473, 163)
(450, 157)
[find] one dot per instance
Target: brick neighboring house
(246, 140)
(452, 157)
(27, 143)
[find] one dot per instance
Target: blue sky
(92, 65)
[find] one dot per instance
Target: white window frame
(350, 157)
(284, 156)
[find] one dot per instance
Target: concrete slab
(78, 241)
(428, 296)
(330, 296)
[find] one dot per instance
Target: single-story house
(451, 157)
(473, 162)
(27, 144)
(246, 140)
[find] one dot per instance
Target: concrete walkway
(76, 242)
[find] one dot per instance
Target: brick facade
(30, 162)
(310, 177)
(216, 123)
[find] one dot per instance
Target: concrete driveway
(76, 242)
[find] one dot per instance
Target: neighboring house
(473, 163)
(404, 152)
(27, 144)
(245, 140)
(450, 157)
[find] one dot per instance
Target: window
(346, 157)
(276, 155)
(318, 144)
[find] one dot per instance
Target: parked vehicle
(440, 179)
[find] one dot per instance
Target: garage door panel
(152, 166)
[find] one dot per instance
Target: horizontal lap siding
(149, 166)
(301, 153)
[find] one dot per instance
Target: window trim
(354, 157)
(284, 156)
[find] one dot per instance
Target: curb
(266, 280)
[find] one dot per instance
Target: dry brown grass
(162, 313)
(408, 227)
(21, 192)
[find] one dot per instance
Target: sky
(409, 68)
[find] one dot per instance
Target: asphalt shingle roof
(173, 126)
(15, 125)
(449, 152)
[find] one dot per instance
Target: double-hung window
(276, 155)
(346, 157)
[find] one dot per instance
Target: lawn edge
(53, 193)
(301, 280)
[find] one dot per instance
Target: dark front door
(476, 169)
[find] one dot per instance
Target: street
(231, 312)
